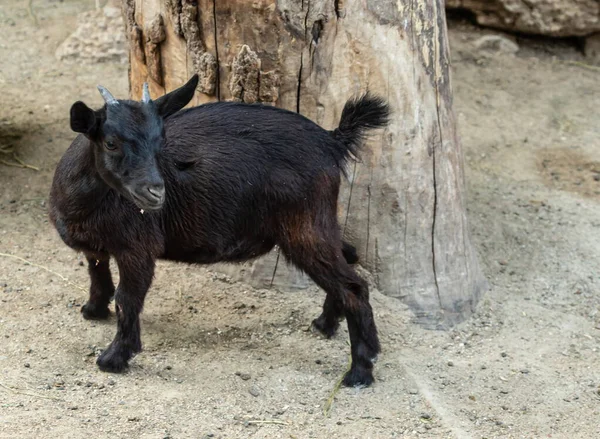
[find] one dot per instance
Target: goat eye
(110, 145)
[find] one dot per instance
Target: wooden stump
(404, 204)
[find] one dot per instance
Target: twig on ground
(268, 421)
(31, 13)
(20, 392)
(19, 163)
(7, 255)
(336, 389)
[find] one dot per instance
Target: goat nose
(157, 190)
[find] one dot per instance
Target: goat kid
(222, 181)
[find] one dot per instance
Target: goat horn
(108, 97)
(146, 94)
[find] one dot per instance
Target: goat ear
(177, 99)
(83, 118)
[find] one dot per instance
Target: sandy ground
(220, 359)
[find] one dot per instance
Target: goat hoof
(327, 330)
(92, 311)
(111, 360)
(358, 377)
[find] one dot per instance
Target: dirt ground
(225, 361)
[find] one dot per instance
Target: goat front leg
(102, 287)
(136, 275)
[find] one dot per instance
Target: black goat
(221, 181)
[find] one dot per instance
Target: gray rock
(558, 18)
(496, 44)
(254, 391)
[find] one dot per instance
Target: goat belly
(236, 252)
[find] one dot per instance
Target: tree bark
(404, 204)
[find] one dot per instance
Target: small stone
(524, 371)
(254, 391)
(413, 392)
(503, 354)
(450, 363)
(496, 44)
(472, 397)
(318, 362)
(26, 365)
(245, 376)
(81, 263)
(504, 392)
(426, 416)
(167, 367)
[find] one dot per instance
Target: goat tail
(358, 116)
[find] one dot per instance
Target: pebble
(245, 376)
(504, 355)
(254, 391)
(413, 392)
(425, 416)
(26, 365)
(525, 371)
(450, 363)
(496, 44)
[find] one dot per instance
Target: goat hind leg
(329, 320)
(102, 287)
(345, 288)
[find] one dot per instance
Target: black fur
(236, 180)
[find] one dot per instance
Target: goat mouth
(146, 203)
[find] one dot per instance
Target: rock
(591, 49)
(254, 391)
(496, 44)
(558, 18)
(99, 37)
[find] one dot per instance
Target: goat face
(127, 137)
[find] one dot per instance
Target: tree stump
(404, 204)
